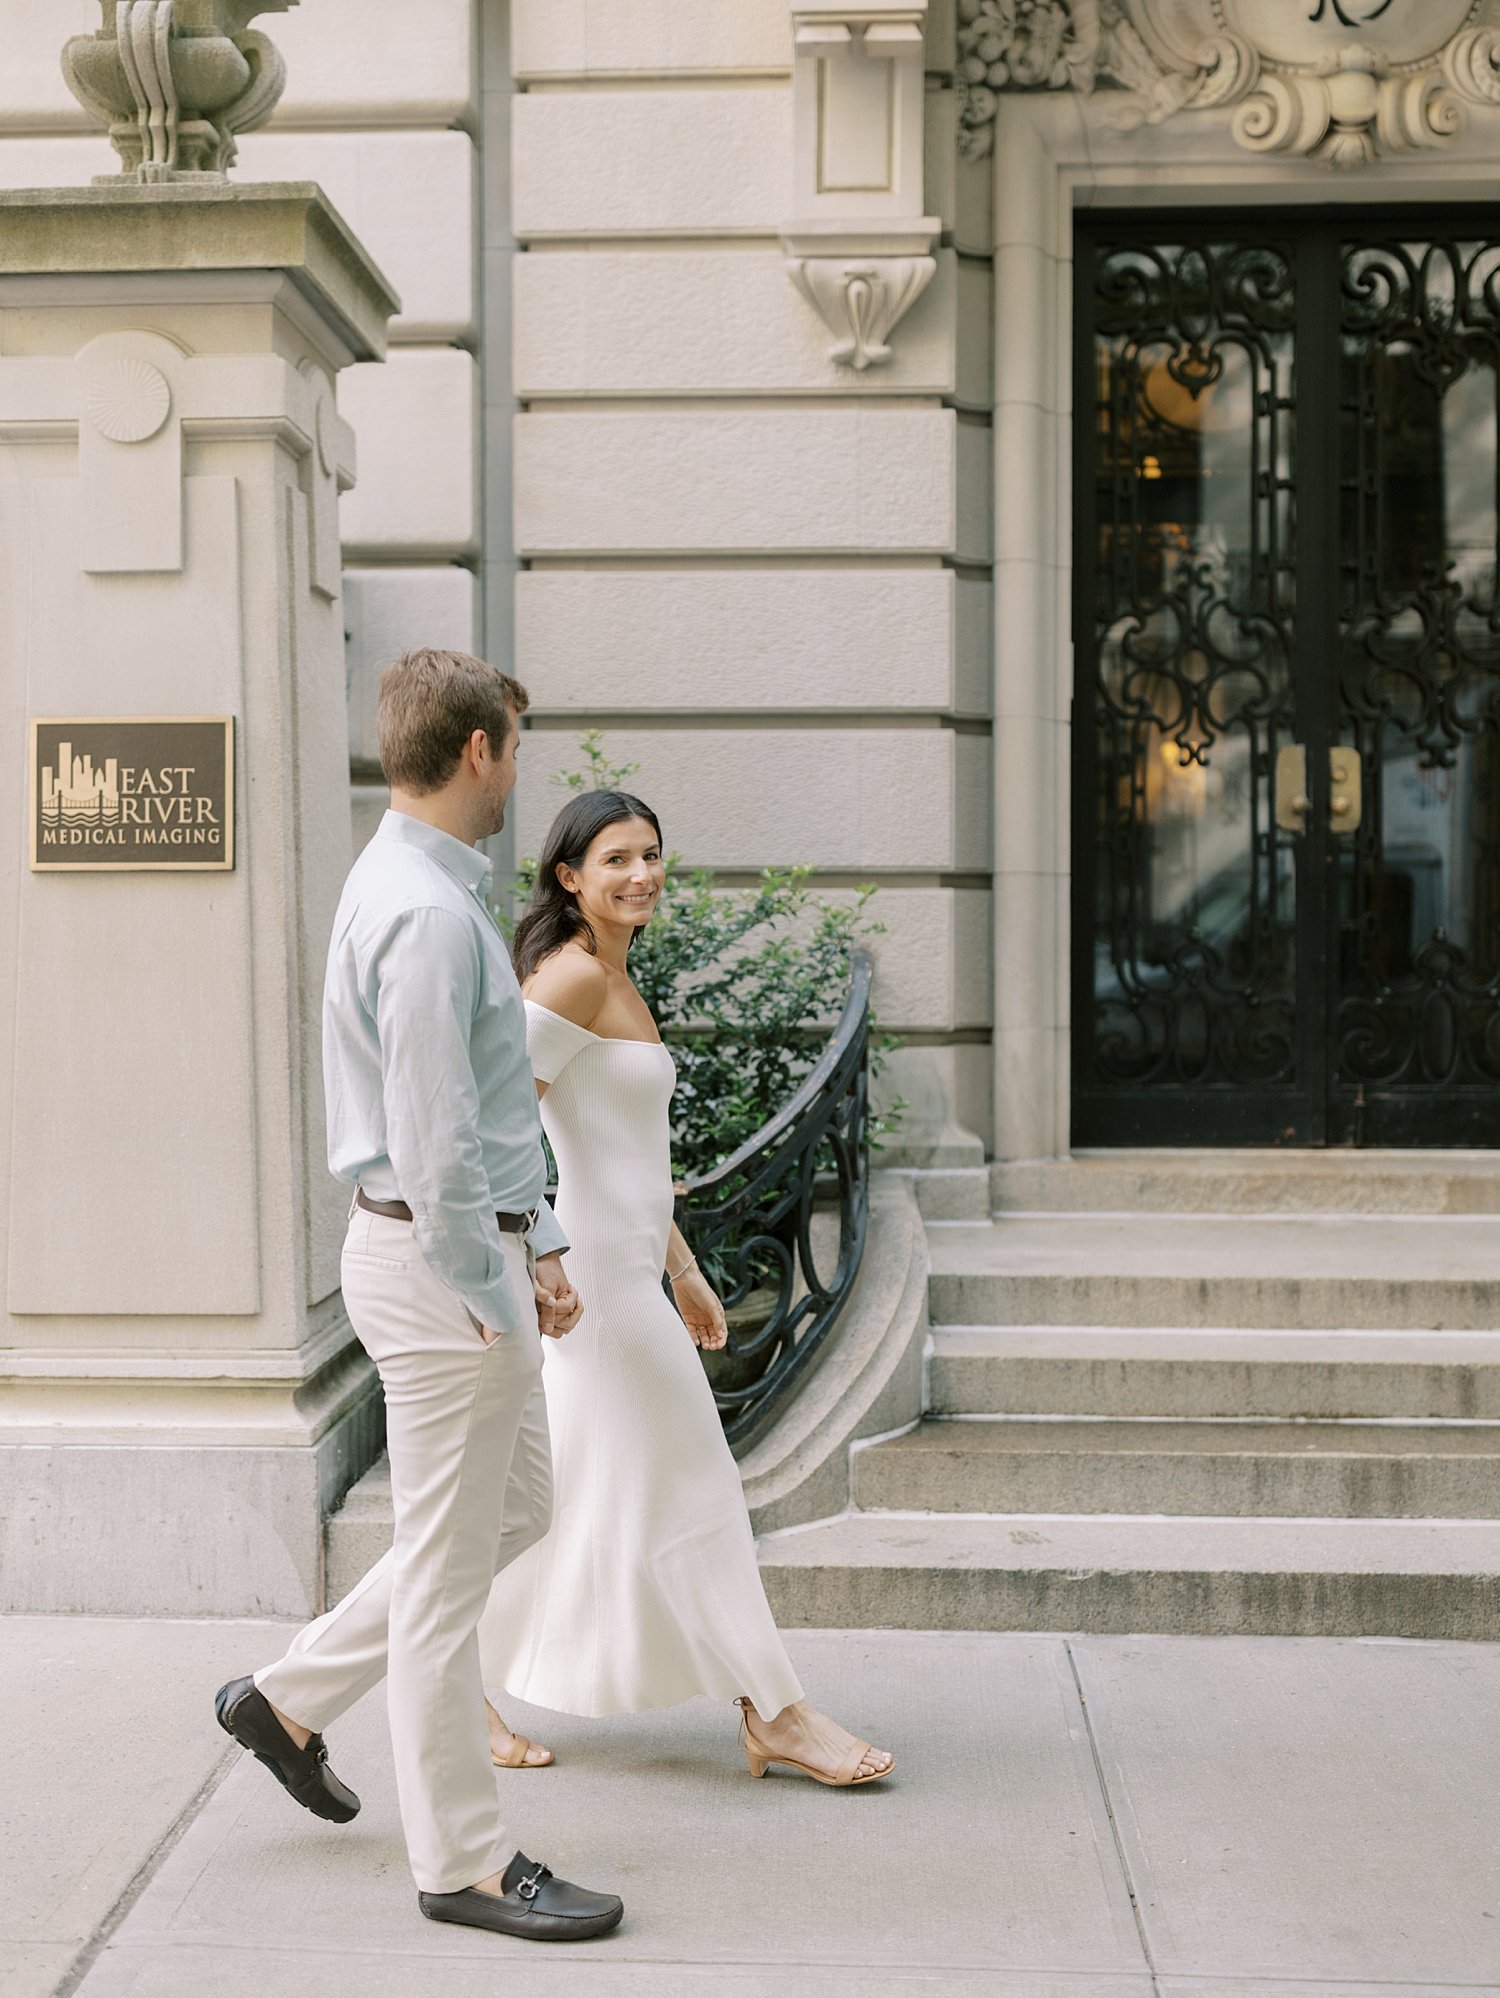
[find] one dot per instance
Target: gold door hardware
(1292, 801)
(1344, 789)
(1344, 796)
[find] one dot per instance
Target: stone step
(953, 1194)
(1188, 1372)
(355, 1537)
(1250, 1181)
(1216, 1577)
(1274, 1272)
(1319, 1470)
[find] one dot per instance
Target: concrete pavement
(103, 1755)
(1071, 1818)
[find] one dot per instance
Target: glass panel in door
(1186, 1026)
(1416, 1019)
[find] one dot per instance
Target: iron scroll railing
(767, 1221)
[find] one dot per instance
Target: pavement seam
(1114, 1829)
(144, 1874)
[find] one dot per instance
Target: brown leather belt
(397, 1210)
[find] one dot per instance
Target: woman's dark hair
(552, 917)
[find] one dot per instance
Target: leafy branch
(745, 983)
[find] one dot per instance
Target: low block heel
(847, 1777)
(755, 1763)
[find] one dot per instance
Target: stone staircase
(1209, 1392)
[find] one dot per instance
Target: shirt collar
(466, 863)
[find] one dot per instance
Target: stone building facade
(732, 402)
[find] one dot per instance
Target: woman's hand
(702, 1313)
(558, 1305)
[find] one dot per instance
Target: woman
(646, 1591)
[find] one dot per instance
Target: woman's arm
(680, 1257)
(696, 1300)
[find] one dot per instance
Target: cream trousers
(471, 1488)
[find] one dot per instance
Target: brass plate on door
(1292, 803)
(1344, 800)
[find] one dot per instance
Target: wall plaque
(131, 791)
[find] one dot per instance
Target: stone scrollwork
(860, 300)
(1344, 82)
(175, 80)
(1020, 45)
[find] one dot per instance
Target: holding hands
(558, 1305)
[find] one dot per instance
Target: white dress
(646, 1590)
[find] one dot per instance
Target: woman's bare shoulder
(571, 982)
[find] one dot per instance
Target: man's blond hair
(430, 703)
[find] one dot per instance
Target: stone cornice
(208, 226)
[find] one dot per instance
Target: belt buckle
(532, 1216)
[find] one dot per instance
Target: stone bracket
(860, 248)
(861, 286)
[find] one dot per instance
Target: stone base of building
(177, 1507)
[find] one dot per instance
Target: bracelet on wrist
(689, 1264)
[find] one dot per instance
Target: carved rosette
(128, 400)
(1344, 82)
(175, 81)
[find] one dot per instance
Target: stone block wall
(764, 575)
(609, 446)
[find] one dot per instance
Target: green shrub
(746, 985)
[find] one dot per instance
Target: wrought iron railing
(795, 1195)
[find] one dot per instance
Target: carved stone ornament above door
(1346, 82)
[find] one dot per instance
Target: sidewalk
(1071, 1818)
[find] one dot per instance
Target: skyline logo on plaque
(152, 791)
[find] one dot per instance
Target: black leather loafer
(534, 1904)
(303, 1773)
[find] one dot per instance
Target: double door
(1286, 718)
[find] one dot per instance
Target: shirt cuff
(547, 1238)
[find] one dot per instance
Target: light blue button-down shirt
(431, 1099)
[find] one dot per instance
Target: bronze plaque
(132, 791)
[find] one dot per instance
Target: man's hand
(558, 1305)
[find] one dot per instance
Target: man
(451, 1268)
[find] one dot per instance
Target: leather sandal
(846, 1777)
(515, 1756)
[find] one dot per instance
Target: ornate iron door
(1287, 710)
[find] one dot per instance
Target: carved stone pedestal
(182, 1397)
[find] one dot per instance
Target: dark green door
(1286, 719)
